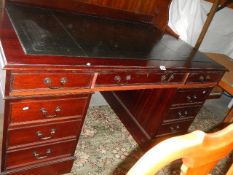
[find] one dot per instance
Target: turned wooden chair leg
(229, 117)
(230, 171)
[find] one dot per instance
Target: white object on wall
(186, 18)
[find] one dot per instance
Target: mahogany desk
(53, 61)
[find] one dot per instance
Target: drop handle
(45, 112)
(167, 78)
(48, 82)
(174, 129)
(41, 135)
(191, 99)
(128, 78)
(183, 114)
(203, 78)
(208, 77)
(39, 157)
(117, 78)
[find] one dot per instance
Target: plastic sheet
(187, 17)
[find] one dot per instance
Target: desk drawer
(191, 96)
(172, 128)
(32, 110)
(130, 78)
(204, 77)
(37, 154)
(40, 133)
(58, 168)
(43, 81)
(181, 113)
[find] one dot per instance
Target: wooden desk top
(89, 42)
(227, 81)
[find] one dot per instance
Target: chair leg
(229, 117)
(230, 171)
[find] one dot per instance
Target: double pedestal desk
(52, 62)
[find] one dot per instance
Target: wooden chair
(199, 151)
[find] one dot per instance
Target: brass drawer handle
(41, 135)
(39, 157)
(117, 78)
(183, 114)
(128, 78)
(45, 112)
(167, 78)
(203, 78)
(191, 99)
(208, 77)
(174, 129)
(48, 82)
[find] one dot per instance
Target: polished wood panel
(37, 154)
(126, 117)
(91, 9)
(141, 111)
(35, 110)
(136, 6)
(148, 116)
(43, 133)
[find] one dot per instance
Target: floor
(106, 147)
(218, 106)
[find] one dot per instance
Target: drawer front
(204, 77)
(30, 110)
(191, 96)
(172, 128)
(43, 81)
(34, 134)
(127, 78)
(34, 155)
(181, 113)
(59, 168)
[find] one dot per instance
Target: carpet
(106, 148)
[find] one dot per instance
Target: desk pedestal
(157, 113)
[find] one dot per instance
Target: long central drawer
(138, 77)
